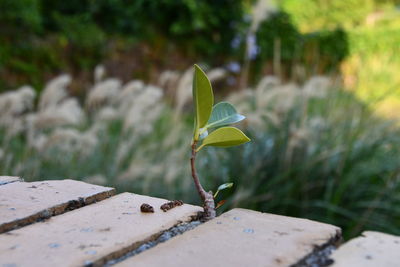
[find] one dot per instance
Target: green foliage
(374, 61)
(376, 40)
(52, 10)
(17, 17)
(338, 33)
(324, 48)
(195, 24)
(225, 137)
(190, 23)
(86, 28)
(207, 117)
(332, 48)
(19, 62)
(327, 159)
(278, 26)
(82, 37)
(20, 21)
(80, 31)
(330, 160)
(315, 15)
(223, 187)
(223, 114)
(203, 100)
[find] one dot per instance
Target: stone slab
(240, 238)
(9, 179)
(91, 235)
(25, 203)
(370, 249)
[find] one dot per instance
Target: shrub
(278, 26)
(315, 15)
(320, 51)
(81, 30)
(188, 23)
(19, 17)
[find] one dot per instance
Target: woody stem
(207, 197)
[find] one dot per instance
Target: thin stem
(200, 147)
(207, 197)
(196, 180)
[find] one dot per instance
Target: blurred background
(100, 91)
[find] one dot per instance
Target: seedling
(206, 118)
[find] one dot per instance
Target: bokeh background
(100, 91)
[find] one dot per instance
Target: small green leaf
(225, 137)
(203, 99)
(222, 187)
(223, 114)
(225, 186)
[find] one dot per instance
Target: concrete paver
(92, 234)
(25, 203)
(9, 179)
(370, 249)
(240, 238)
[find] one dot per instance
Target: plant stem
(207, 197)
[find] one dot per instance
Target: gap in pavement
(161, 238)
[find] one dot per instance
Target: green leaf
(225, 137)
(224, 186)
(203, 99)
(223, 114)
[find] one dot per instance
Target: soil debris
(171, 204)
(146, 208)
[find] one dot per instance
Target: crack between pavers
(149, 243)
(46, 214)
(10, 182)
(320, 256)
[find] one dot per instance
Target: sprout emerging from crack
(207, 117)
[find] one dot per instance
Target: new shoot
(211, 128)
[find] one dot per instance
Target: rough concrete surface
(167, 235)
(240, 238)
(25, 203)
(9, 179)
(91, 235)
(370, 249)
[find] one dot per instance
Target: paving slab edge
(320, 256)
(12, 181)
(135, 248)
(56, 210)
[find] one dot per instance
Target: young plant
(206, 118)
